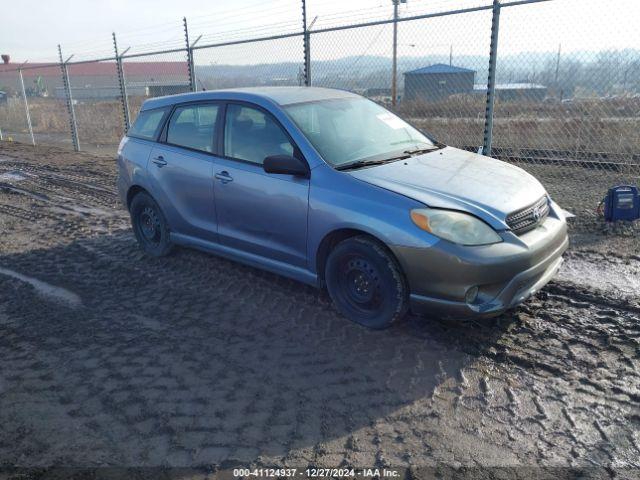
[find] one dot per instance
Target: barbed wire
(231, 24)
(234, 23)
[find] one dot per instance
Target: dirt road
(111, 358)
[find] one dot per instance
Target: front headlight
(454, 226)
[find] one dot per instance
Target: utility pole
(451, 55)
(558, 64)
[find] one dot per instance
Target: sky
(31, 30)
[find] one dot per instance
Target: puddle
(616, 277)
(58, 294)
(12, 177)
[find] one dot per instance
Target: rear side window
(148, 123)
(193, 126)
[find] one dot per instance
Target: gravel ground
(113, 359)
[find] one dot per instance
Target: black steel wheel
(366, 283)
(149, 225)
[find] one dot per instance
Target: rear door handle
(224, 177)
(159, 161)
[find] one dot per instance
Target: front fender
(339, 201)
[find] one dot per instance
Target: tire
(366, 283)
(150, 226)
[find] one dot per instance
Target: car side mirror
(285, 165)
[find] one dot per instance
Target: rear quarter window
(148, 123)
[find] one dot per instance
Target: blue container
(622, 203)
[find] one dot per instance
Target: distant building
(437, 82)
(509, 92)
(156, 88)
(99, 80)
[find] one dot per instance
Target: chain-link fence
(550, 85)
(95, 93)
(13, 112)
(569, 115)
(47, 106)
(154, 75)
(271, 62)
(442, 61)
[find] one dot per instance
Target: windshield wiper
(418, 151)
(368, 163)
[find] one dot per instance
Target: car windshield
(349, 130)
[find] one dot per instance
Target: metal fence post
(124, 98)
(306, 45)
(192, 71)
(491, 79)
(394, 62)
(26, 107)
(72, 114)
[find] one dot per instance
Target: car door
(181, 169)
(259, 213)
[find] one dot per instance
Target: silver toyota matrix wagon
(333, 190)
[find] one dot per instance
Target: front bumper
(506, 273)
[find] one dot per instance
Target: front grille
(528, 218)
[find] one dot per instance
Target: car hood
(459, 180)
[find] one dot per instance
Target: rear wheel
(366, 283)
(149, 225)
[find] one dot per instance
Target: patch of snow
(618, 277)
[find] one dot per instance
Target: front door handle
(159, 161)
(224, 177)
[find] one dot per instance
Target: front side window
(148, 123)
(252, 135)
(193, 126)
(351, 129)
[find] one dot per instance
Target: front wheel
(366, 283)
(149, 225)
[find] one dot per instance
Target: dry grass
(590, 125)
(99, 122)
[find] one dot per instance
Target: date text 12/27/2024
(317, 472)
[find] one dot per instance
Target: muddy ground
(112, 358)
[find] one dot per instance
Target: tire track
(193, 359)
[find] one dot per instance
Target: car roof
(278, 95)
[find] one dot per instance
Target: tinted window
(193, 126)
(148, 123)
(252, 135)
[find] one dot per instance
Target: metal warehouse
(437, 81)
